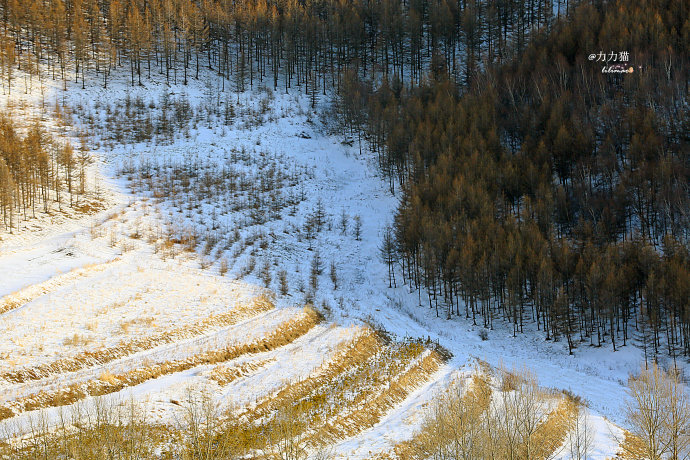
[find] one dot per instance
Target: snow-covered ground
(89, 283)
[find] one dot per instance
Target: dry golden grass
(510, 381)
(125, 326)
(103, 432)
(224, 375)
(460, 425)
(353, 353)
(363, 380)
(631, 448)
(102, 356)
(351, 392)
(188, 242)
(369, 411)
(5, 413)
(108, 378)
(77, 340)
(92, 206)
(551, 433)
(357, 388)
(10, 303)
(477, 397)
(284, 334)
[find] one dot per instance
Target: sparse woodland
(535, 189)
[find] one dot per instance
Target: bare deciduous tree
(581, 435)
(658, 412)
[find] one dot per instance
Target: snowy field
(136, 300)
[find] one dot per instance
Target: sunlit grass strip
(370, 411)
(25, 295)
(102, 356)
(551, 433)
(303, 400)
(349, 394)
(284, 334)
(631, 448)
(353, 354)
(355, 390)
(224, 375)
(477, 397)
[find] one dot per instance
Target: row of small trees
(302, 43)
(476, 421)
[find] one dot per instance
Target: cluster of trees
(658, 411)
(515, 421)
(303, 43)
(36, 171)
(547, 191)
(476, 421)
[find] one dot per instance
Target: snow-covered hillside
(226, 215)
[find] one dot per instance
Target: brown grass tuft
(77, 340)
(223, 375)
(631, 448)
(89, 207)
(109, 378)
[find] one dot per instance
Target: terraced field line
(25, 295)
(353, 353)
(223, 375)
(374, 375)
(551, 433)
(102, 356)
(477, 396)
(370, 411)
(284, 334)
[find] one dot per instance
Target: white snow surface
(89, 285)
